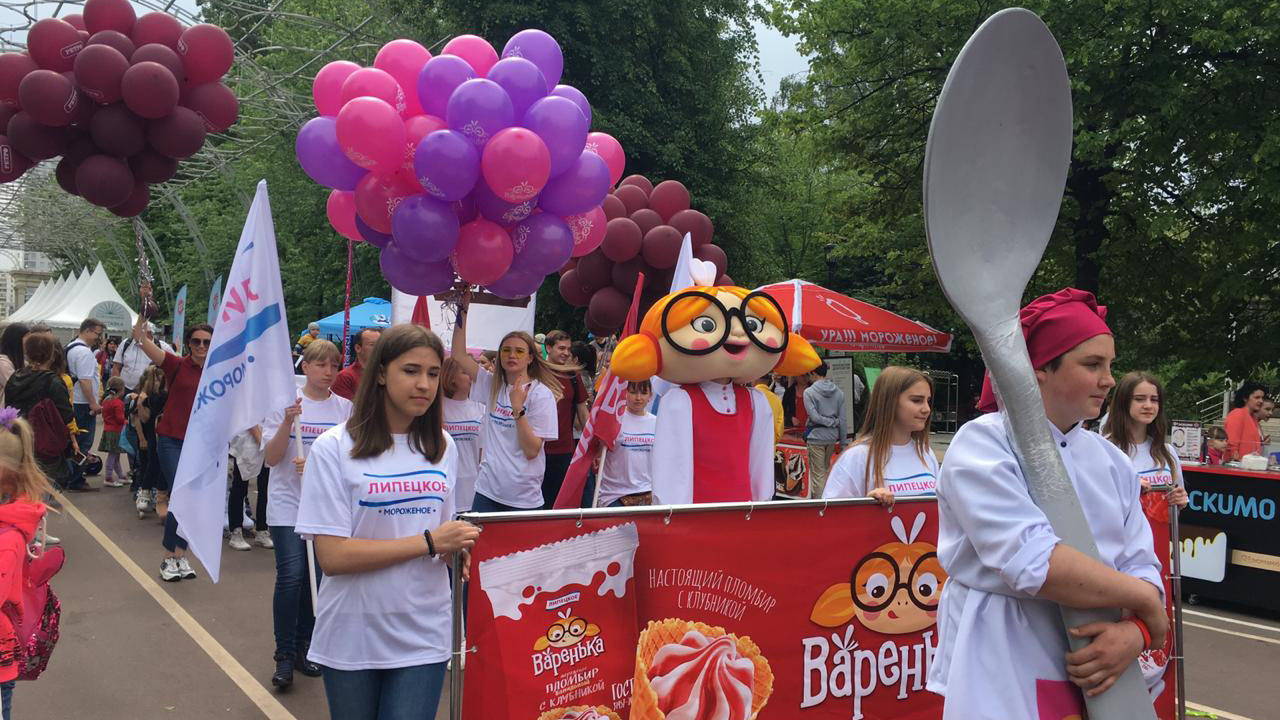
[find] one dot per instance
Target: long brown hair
(882, 414)
(540, 370)
(368, 423)
(1120, 426)
(18, 461)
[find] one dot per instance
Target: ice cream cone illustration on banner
(692, 670)
(584, 712)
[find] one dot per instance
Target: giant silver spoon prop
(995, 168)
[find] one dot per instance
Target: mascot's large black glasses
(882, 596)
(716, 317)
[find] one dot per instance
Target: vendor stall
(1230, 535)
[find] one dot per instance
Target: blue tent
(373, 312)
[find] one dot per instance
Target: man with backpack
(83, 367)
(130, 361)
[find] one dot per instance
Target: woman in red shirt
(1243, 435)
(183, 377)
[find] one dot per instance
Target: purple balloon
(371, 236)
(425, 229)
(413, 277)
(563, 128)
(438, 79)
(498, 210)
(574, 94)
(539, 48)
(580, 188)
(321, 156)
(516, 284)
(543, 244)
(447, 164)
(522, 80)
(478, 109)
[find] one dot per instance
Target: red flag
(420, 315)
(604, 423)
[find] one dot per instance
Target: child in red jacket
(112, 426)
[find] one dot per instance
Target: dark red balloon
(216, 104)
(115, 15)
(594, 271)
(569, 265)
(613, 207)
(609, 307)
(572, 291)
(85, 108)
(53, 44)
(625, 273)
(50, 97)
(36, 141)
(6, 114)
(104, 181)
(697, 224)
(632, 197)
(669, 198)
(99, 72)
(137, 202)
(596, 328)
(12, 162)
(81, 148)
(75, 20)
(157, 53)
(206, 52)
(157, 27)
(622, 238)
(661, 247)
(13, 67)
(646, 219)
(724, 280)
(115, 39)
(65, 173)
(151, 167)
(179, 135)
(713, 253)
(118, 131)
(639, 181)
(150, 90)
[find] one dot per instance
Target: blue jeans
(484, 504)
(88, 423)
(170, 450)
(6, 698)
(410, 693)
(291, 610)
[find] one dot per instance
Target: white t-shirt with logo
(462, 420)
(82, 364)
(1153, 471)
(399, 616)
(628, 466)
(285, 487)
(904, 474)
(506, 475)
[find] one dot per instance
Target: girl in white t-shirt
(891, 456)
(627, 479)
(316, 409)
(520, 415)
(462, 419)
(377, 495)
(1138, 426)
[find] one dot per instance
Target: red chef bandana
(1052, 325)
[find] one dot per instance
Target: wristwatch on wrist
(520, 414)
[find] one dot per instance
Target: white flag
(248, 375)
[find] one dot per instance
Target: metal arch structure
(35, 214)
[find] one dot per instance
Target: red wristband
(1142, 628)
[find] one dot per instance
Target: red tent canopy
(839, 322)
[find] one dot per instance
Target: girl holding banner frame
(1138, 426)
(377, 495)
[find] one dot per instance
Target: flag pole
(311, 548)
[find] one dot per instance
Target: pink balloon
(478, 53)
(378, 196)
(372, 82)
(326, 90)
(403, 60)
(588, 230)
(341, 209)
(416, 128)
(608, 148)
(483, 253)
(516, 164)
(372, 135)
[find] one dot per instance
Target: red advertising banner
(1160, 661)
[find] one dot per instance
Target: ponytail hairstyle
(882, 414)
(368, 426)
(115, 386)
(540, 369)
(18, 459)
(1119, 427)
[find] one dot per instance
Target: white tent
(33, 309)
(51, 306)
(41, 291)
(93, 296)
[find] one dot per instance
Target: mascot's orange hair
(639, 357)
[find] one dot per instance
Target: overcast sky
(778, 57)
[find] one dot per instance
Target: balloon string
(346, 306)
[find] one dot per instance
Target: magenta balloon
(157, 27)
(439, 78)
(178, 135)
(115, 15)
(99, 72)
(150, 90)
(114, 39)
(54, 44)
(13, 67)
(76, 20)
(326, 89)
(539, 48)
(543, 243)
(475, 50)
(578, 189)
(608, 147)
(516, 284)
(51, 98)
(478, 109)
(563, 128)
(104, 181)
(424, 229)
(494, 208)
(321, 156)
(516, 164)
(404, 59)
(372, 82)
(36, 141)
(206, 51)
(522, 80)
(413, 277)
(151, 167)
(118, 131)
(574, 94)
(372, 134)
(484, 252)
(447, 165)
(166, 56)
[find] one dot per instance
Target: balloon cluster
(120, 98)
(646, 227)
(465, 163)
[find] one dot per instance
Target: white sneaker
(143, 502)
(169, 570)
(236, 540)
(113, 482)
(50, 540)
(184, 568)
(262, 538)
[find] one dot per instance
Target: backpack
(66, 352)
(52, 435)
(36, 628)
